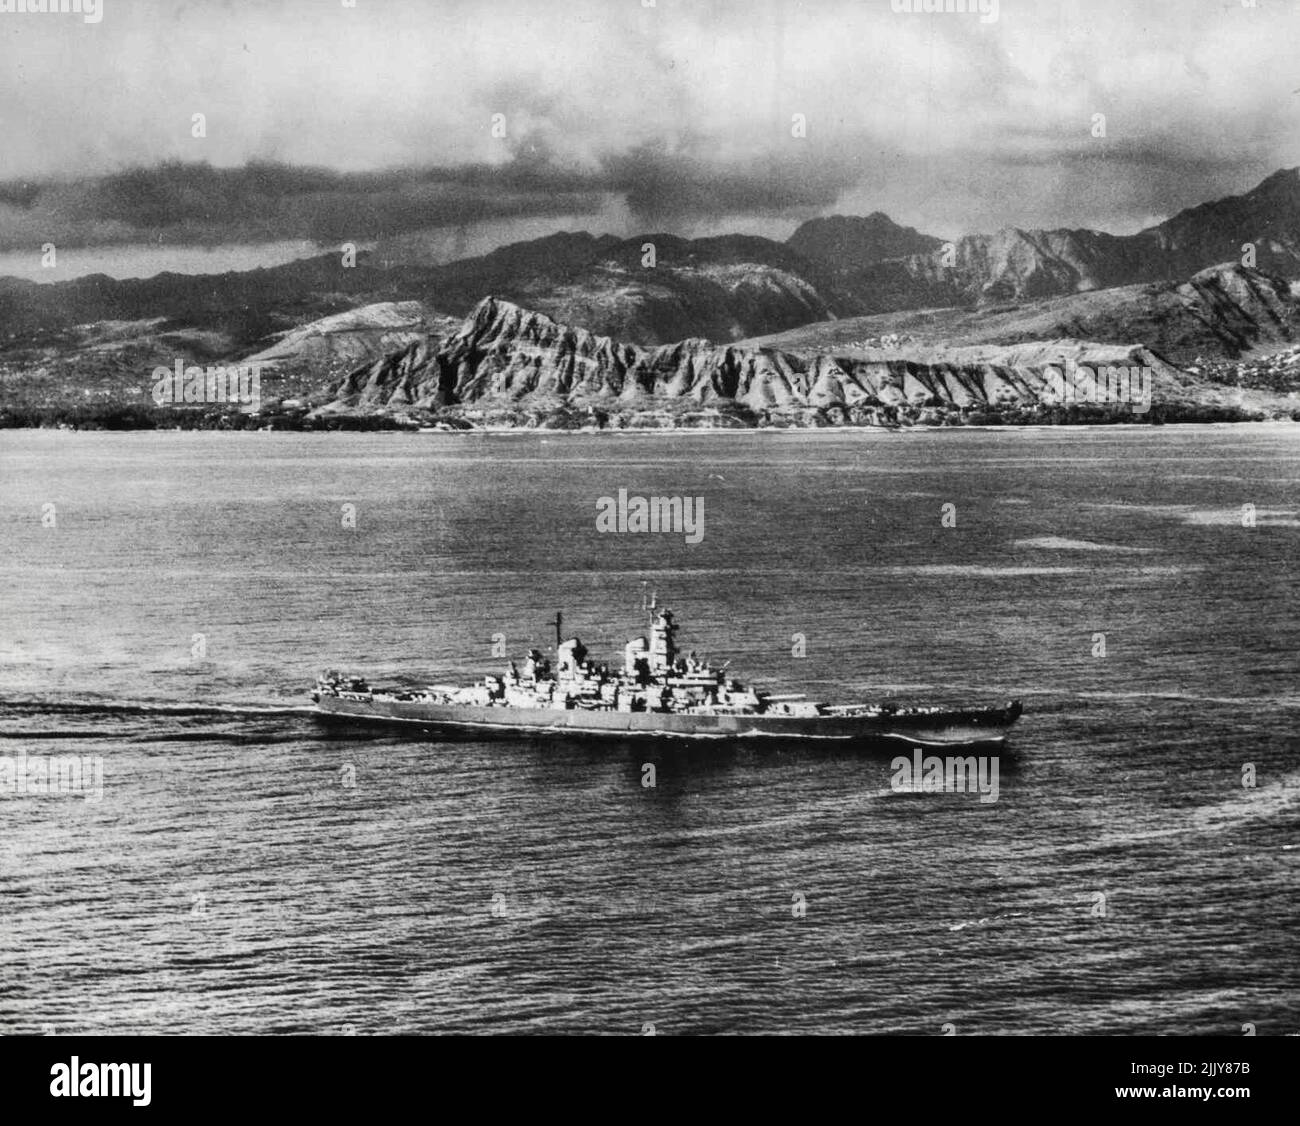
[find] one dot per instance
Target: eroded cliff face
(509, 365)
(1221, 313)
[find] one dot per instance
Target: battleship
(655, 693)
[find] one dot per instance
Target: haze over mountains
(1178, 288)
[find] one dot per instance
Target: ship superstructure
(654, 691)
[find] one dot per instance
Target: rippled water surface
(248, 869)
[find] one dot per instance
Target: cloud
(662, 186)
(199, 205)
(325, 122)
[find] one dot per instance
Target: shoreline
(1282, 424)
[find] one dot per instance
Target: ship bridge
(656, 657)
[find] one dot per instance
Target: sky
(375, 123)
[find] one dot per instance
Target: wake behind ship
(655, 693)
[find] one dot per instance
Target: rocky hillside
(511, 366)
(1268, 217)
(845, 242)
(334, 345)
(1020, 265)
(654, 288)
(1222, 313)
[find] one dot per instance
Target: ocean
(243, 867)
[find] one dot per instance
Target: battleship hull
(927, 727)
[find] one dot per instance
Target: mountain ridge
(507, 365)
(316, 320)
(1262, 225)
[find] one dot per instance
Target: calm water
(250, 870)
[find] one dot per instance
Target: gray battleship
(656, 693)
